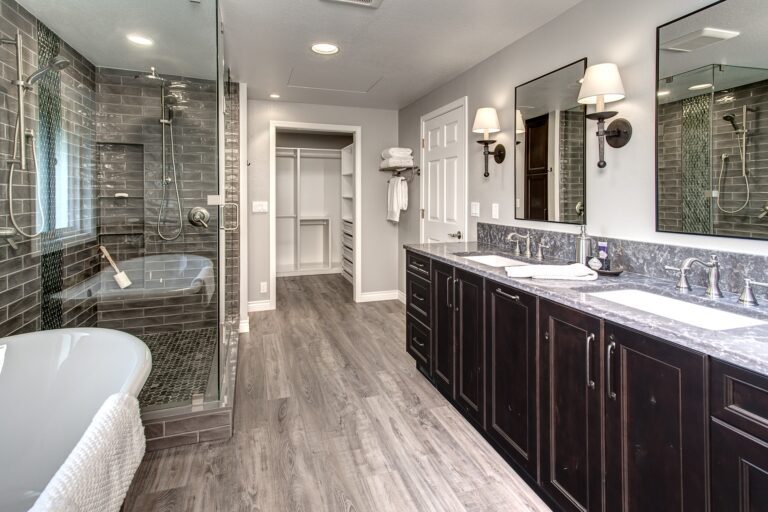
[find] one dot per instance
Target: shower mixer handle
(199, 216)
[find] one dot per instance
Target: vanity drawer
(418, 340)
(739, 397)
(417, 264)
(418, 298)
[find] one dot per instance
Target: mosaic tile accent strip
(181, 366)
(696, 135)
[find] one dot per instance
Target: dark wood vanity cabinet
(443, 300)
(418, 298)
(655, 424)
(470, 346)
(511, 373)
(570, 384)
(738, 439)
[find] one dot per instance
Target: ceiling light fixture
(700, 87)
(274, 96)
(325, 48)
(140, 40)
(663, 93)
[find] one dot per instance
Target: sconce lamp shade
(519, 123)
(602, 84)
(486, 121)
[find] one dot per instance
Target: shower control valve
(199, 216)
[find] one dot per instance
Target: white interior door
(444, 174)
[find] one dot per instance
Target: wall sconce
(487, 122)
(602, 84)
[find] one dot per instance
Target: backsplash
(644, 258)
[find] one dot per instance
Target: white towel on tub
(96, 475)
(208, 282)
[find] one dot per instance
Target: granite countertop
(746, 347)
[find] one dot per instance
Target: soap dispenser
(583, 246)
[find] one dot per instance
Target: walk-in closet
(315, 198)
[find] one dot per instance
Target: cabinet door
(511, 345)
(443, 287)
(571, 470)
(739, 470)
(655, 424)
(470, 393)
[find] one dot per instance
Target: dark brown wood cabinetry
(511, 373)
(470, 346)
(418, 299)
(444, 291)
(656, 424)
(571, 433)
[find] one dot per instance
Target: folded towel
(96, 475)
(396, 162)
(574, 272)
(397, 198)
(207, 280)
(396, 153)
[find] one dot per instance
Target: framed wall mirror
(550, 126)
(711, 115)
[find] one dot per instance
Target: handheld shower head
(55, 64)
(730, 118)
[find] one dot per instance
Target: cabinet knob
(546, 335)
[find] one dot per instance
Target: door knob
(455, 235)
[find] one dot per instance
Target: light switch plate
(474, 208)
(495, 210)
(263, 287)
(517, 202)
(260, 207)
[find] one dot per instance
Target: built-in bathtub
(52, 383)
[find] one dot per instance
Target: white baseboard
(244, 326)
(310, 272)
(379, 296)
(259, 305)
(401, 296)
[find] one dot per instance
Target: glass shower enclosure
(121, 192)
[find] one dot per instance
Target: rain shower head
(55, 64)
(730, 118)
(152, 75)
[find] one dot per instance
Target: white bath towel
(574, 272)
(208, 282)
(396, 162)
(396, 153)
(96, 475)
(397, 198)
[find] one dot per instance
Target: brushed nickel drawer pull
(448, 293)
(590, 382)
(417, 342)
(609, 369)
(501, 292)
(418, 297)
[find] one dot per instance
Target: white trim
(378, 296)
(260, 305)
(401, 296)
(243, 256)
(459, 103)
(357, 133)
(245, 326)
(315, 272)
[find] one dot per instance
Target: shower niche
(712, 106)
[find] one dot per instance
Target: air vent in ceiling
(698, 39)
(373, 4)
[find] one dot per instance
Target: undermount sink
(494, 260)
(691, 314)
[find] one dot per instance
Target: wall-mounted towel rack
(398, 171)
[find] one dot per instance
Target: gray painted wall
(379, 237)
(620, 198)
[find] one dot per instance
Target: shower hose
(742, 154)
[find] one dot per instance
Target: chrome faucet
(713, 284)
(518, 237)
(747, 296)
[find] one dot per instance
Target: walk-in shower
(22, 135)
(741, 134)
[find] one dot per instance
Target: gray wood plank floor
(332, 415)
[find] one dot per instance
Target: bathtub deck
(331, 414)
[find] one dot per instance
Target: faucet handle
(682, 284)
(540, 251)
(517, 247)
(747, 296)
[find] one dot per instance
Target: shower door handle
(237, 217)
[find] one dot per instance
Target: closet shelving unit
(304, 225)
(348, 213)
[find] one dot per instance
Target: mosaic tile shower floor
(181, 366)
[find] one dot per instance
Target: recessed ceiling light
(663, 93)
(140, 40)
(699, 87)
(274, 96)
(325, 48)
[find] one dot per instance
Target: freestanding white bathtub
(52, 383)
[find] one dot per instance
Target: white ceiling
(184, 32)
(389, 56)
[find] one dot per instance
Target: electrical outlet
(474, 208)
(260, 207)
(495, 210)
(263, 287)
(517, 202)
